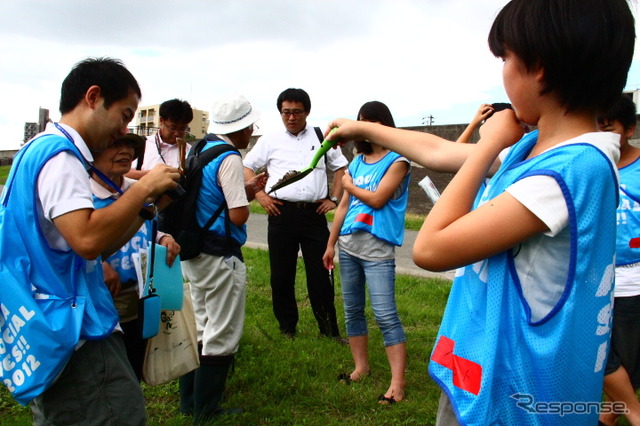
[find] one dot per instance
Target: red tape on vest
(467, 375)
(365, 218)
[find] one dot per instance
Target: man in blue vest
(218, 274)
(47, 202)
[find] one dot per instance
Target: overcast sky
(420, 57)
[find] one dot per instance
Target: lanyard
(91, 167)
(106, 179)
(111, 183)
(158, 147)
(70, 138)
(64, 132)
(101, 175)
(152, 254)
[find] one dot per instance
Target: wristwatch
(334, 199)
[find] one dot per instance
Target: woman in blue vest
(368, 224)
(107, 184)
(622, 371)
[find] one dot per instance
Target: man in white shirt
(163, 146)
(297, 212)
(92, 382)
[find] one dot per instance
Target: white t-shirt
(158, 152)
(56, 198)
(231, 179)
(627, 280)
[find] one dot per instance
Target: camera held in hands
(499, 106)
(175, 193)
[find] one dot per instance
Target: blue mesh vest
(211, 197)
(628, 216)
(50, 298)
(121, 261)
(386, 223)
(493, 362)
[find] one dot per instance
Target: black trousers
(135, 346)
(299, 226)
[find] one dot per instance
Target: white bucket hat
(231, 113)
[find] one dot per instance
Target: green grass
(4, 172)
(285, 382)
(413, 222)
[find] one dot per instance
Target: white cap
(231, 113)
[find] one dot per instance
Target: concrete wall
(447, 131)
(6, 157)
(453, 131)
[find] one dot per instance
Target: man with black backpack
(218, 274)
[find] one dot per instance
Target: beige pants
(218, 290)
(446, 415)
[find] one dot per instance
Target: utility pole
(428, 120)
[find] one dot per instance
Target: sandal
(383, 400)
(345, 378)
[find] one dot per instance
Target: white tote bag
(173, 352)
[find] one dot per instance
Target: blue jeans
(381, 280)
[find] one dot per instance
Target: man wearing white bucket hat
(218, 274)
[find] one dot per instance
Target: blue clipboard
(167, 280)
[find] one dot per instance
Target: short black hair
(623, 110)
(373, 111)
(295, 95)
(176, 110)
(585, 47)
(113, 78)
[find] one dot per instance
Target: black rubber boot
(187, 388)
(209, 384)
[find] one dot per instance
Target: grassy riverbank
(285, 382)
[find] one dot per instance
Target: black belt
(301, 204)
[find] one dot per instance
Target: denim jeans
(381, 279)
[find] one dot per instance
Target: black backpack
(179, 218)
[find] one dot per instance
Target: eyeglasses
(172, 128)
(295, 112)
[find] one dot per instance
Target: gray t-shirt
(366, 246)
